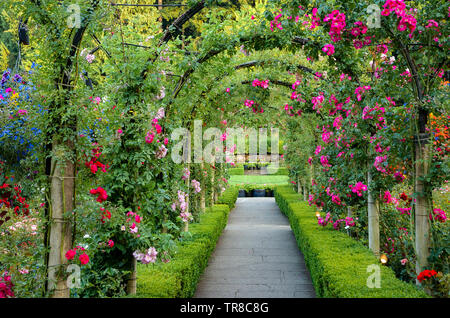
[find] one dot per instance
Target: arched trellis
(189, 14)
(423, 114)
(249, 64)
(296, 40)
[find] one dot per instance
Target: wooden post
(349, 214)
(213, 173)
(131, 283)
(186, 224)
(62, 198)
(422, 226)
(374, 221)
(203, 192)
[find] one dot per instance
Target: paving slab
(256, 256)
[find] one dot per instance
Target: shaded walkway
(256, 256)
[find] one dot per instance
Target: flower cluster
(6, 286)
(182, 204)
(323, 222)
(358, 188)
(11, 198)
(317, 102)
(89, 57)
(407, 21)
(408, 200)
(378, 163)
(105, 215)
(27, 224)
(94, 164)
(336, 20)
(324, 161)
(160, 113)
(371, 112)
(315, 20)
(262, 84)
(162, 152)
(186, 174)
(254, 106)
(148, 257)
(102, 195)
(156, 130)
(424, 275)
(361, 89)
(275, 23)
(133, 218)
(387, 197)
(329, 49)
(357, 32)
(83, 257)
(439, 215)
(196, 185)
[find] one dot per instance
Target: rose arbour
(128, 128)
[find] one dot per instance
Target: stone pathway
(256, 256)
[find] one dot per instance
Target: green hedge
(237, 171)
(229, 196)
(282, 171)
(179, 277)
(337, 263)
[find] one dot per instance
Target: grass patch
(258, 179)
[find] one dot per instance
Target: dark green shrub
(337, 263)
(179, 277)
(229, 196)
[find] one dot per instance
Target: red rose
(84, 259)
(426, 274)
(94, 168)
(70, 254)
(102, 195)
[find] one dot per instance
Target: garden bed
(179, 277)
(337, 263)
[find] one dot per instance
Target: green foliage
(337, 263)
(22, 251)
(229, 196)
(258, 179)
(280, 171)
(179, 277)
(238, 171)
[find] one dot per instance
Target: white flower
(134, 230)
(138, 256)
(90, 58)
(86, 236)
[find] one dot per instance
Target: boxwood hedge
(179, 277)
(338, 264)
(237, 171)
